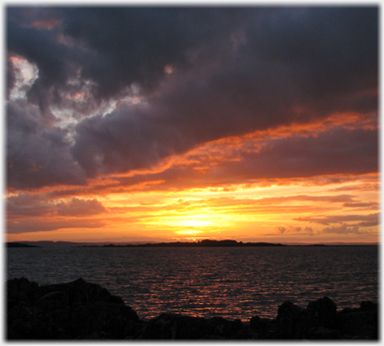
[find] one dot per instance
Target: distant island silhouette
(20, 245)
(200, 243)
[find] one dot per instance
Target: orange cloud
(46, 24)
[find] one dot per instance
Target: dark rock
(220, 328)
(176, 327)
(368, 306)
(264, 327)
(238, 331)
(20, 320)
(320, 313)
(322, 333)
(78, 292)
(86, 319)
(287, 317)
(19, 290)
(361, 324)
(347, 311)
(71, 310)
(180, 327)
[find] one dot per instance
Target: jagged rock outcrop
(360, 323)
(319, 321)
(82, 310)
(287, 316)
(71, 310)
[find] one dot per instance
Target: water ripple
(207, 282)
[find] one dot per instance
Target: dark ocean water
(207, 282)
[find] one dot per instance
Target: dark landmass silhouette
(79, 310)
(202, 243)
(43, 243)
(20, 245)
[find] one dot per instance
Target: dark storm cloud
(329, 45)
(336, 151)
(126, 140)
(118, 47)
(250, 93)
(11, 77)
(137, 43)
(235, 70)
(332, 152)
(58, 64)
(38, 46)
(31, 14)
(134, 137)
(327, 50)
(37, 153)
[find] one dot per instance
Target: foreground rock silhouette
(82, 310)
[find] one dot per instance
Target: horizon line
(107, 242)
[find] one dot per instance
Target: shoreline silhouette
(82, 310)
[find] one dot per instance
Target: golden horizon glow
(275, 213)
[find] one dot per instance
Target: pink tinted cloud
(364, 220)
(36, 205)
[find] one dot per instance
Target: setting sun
(195, 221)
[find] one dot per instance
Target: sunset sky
(129, 124)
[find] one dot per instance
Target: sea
(229, 282)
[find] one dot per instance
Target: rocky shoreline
(82, 310)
